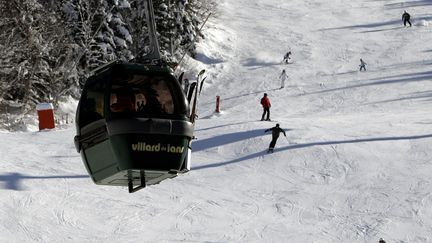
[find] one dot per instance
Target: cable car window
(92, 104)
(122, 100)
(141, 94)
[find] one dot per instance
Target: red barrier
(46, 115)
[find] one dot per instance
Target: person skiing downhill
(362, 65)
(287, 57)
(265, 102)
(283, 77)
(276, 130)
(406, 18)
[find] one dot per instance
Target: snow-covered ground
(356, 165)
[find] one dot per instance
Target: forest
(49, 47)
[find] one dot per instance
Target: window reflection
(92, 105)
(142, 95)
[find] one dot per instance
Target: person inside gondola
(124, 100)
(152, 104)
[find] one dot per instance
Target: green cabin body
(133, 126)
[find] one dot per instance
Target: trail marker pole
(217, 103)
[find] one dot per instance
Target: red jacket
(265, 102)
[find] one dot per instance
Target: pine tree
(48, 47)
(32, 32)
(99, 30)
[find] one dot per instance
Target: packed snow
(355, 165)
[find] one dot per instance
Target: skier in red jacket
(265, 102)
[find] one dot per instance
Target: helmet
(265, 94)
(277, 125)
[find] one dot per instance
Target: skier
(283, 77)
(381, 240)
(275, 135)
(406, 18)
(265, 102)
(362, 65)
(287, 57)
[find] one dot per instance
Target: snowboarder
(283, 77)
(406, 18)
(265, 102)
(287, 57)
(275, 135)
(362, 65)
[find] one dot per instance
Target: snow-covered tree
(31, 68)
(178, 23)
(99, 30)
(48, 47)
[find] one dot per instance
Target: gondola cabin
(133, 126)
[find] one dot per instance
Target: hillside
(355, 166)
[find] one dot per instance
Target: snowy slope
(355, 166)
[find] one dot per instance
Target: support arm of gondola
(141, 186)
(154, 53)
(195, 102)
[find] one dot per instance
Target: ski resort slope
(355, 166)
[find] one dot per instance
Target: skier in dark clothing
(406, 18)
(362, 65)
(381, 241)
(275, 135)
(287, 57)
(265, 102)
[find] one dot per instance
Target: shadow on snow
(425, 96)
(365, 26)
(403, 78)
(208, 60)
(306, 145)
(409, 4)
(226, 139)
(13, 180)
(224, 125)
(254, 62)
(380, 26)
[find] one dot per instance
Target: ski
(190, 91)
(180, 78)
(193, 115)
(201, 85)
